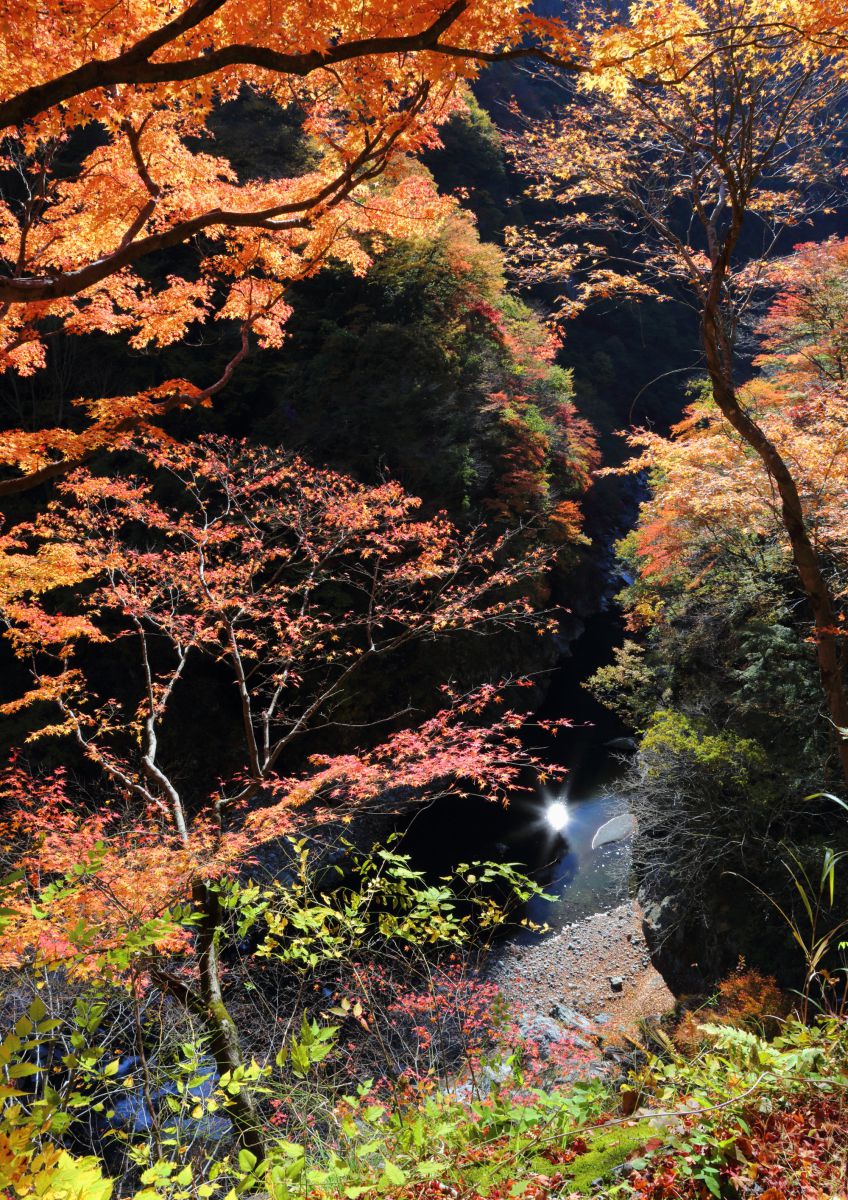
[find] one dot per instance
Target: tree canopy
(302, 531)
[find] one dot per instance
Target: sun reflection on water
(556, 815)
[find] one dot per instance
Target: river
(581, 879)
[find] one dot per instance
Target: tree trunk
(225, 1043)
(813, 582)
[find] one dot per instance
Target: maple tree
(293, 582)
(721, 681)
(108, 162)
(704, 129)
(711, 503)
(804, 334)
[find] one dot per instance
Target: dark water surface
(582, 880)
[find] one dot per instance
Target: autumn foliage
(291, 582)
(109, 161)
(223, 653)
(664, 167)
(712, 503)
(747, 999)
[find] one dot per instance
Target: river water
(584, 880)
(581, 880)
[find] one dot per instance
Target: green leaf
(710, 1178)
(827, 796)
(247, 1160)
(394, 1174)
(19, 1070)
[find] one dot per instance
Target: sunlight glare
(556, 815)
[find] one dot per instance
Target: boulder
(571, 1019)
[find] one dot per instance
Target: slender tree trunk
(225, 1042)
(719, 365)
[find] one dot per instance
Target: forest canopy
(423, 465)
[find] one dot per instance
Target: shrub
(746, 999)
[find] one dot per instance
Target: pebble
(595, 963)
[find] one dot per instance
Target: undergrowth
(409, 1078)
(744, 1117)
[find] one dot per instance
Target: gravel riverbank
(598, 968)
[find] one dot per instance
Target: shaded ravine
(466, 828)
(590, 970)
(585, 880)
